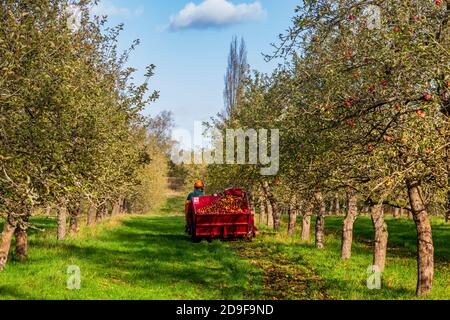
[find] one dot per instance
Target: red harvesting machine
(226, 216)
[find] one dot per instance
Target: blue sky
(190, 51)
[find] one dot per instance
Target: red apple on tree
(420, 113)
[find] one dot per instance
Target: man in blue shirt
(198, 190)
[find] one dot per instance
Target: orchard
(73, 141)
(364, 117)
(359, 92)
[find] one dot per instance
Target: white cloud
(108, 8)
(216, 14)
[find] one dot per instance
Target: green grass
(150, 257)
(347, 279)
(139, 257)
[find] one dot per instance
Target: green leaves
(351, 100)
(70, 117)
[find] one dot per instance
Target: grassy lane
(284, 277)
(150, 257)
(347, 279)
(139, 257)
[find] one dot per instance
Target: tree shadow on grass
(38, 225)
(402, 236)
(10, 292)
(360, 289)
(154, 252)
(335, 283)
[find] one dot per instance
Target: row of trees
(363, 105)
(72, 135)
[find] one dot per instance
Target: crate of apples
(225, 205)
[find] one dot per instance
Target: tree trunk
(73, 223)
(347, 230)
(21, 243)
(292, 216)
(447, 156)
(122, 205)
(269, 214)
(48, 211)
(262, 210)
(306, 222)
(365, 211)
(251, 201)
(320, 222)
(5, 241)
(105, 211)
(61, 222)
(22, 239)
(396, 213)
(425, 248)
(116, 208)
(337, 206)
(332, 207)
(91, 215)
(99, 214)
(381, 237)
(126, 206)
(276, 213)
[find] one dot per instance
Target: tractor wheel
(194, 238)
